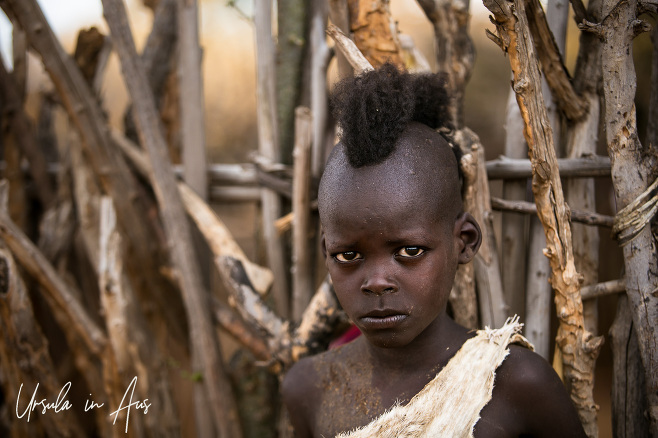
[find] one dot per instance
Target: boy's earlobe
(471, 237)
(323, 245)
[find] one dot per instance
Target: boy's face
(392, 264)
(392, 248)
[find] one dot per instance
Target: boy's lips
(382, 319)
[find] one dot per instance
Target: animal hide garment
(450, 404)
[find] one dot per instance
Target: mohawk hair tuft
(374, 108)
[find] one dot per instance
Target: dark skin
(394, 234)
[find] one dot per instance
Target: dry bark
(629, 396)
(634, 169)
(578, 347)
(374, 31)
(206, 356)
(58, 293)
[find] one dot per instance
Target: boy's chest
(346, 404)
(350, 403)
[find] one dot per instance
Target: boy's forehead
(422, 170)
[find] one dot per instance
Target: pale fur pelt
(450, 404)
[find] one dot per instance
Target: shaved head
(421, 172)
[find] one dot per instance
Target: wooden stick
(321, 319)
(347, 47)
(205, 348)
(602, 289)
(584, 167)
(582, 139)
(242, 333)
(193, 139)
(578, 347)
(268, 146)
(302, 275)
(573, 106)
(493, 310)
(584, 217)
(515, 240)
(340, 17)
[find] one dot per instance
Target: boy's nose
(378, 282)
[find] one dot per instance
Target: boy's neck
(430, 350)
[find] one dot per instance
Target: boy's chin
(387, 340)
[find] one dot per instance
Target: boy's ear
(470, 236)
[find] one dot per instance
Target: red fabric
(352, 333)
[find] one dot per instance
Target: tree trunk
(634, 169)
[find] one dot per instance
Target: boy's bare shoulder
(317, 383)
(528, 399)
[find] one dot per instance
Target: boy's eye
(347, 256)
(410, 251)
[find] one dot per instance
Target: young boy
(394, 233)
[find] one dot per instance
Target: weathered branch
(244, 334)
(493, 310)
(268, 147)
(193, 138)
(579, 349)
(302, 274)
(584, 217)
(205, 349)
(569, 102)
(584, 167)
(347, 47)
(628, 393)
(602, 289)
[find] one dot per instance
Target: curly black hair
(374, 108)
